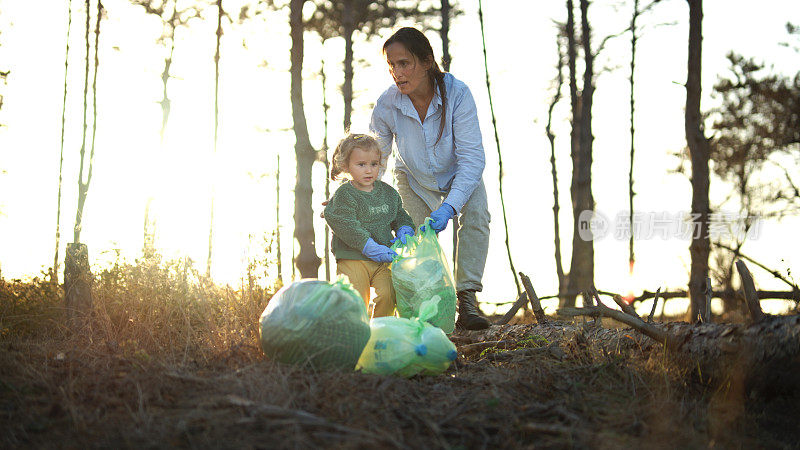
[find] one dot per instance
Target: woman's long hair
(418, 45)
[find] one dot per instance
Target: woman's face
(409, 73)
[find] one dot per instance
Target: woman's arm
(379, 126)
(470, 157)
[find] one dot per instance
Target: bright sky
(254, 106)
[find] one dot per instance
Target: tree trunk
(149, 234)
(635, 16)
(699, 150)
(307, 261)
(499, 154)
(54, 273)
(348, 25)
(445, 35)
(562, 285)
(278, 217)
(581, 273)
(77, 281)
(326, 162)
(216, 133)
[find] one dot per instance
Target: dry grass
(167, 359)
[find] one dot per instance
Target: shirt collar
(403, 103)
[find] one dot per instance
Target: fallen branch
(669, 341)
(523, 298)
(653, 310)
(536, 306)
(750, 295)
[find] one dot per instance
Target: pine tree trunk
(562, 282)
(216, 134)
(77, 281)
(699, 150)
(307, 261)
(61, 153)
(347, 88)
(581, 274)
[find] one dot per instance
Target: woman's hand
(441, 217)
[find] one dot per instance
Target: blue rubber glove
(377, 252)
(403, 233)
(441, 217)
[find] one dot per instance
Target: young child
(362, 214)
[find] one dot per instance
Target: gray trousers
(473, 232)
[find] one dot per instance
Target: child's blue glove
(377, 252)
(403, 233)
(441, 217)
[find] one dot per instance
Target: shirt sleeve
(379, 126)
(340, 213)
(470, 157)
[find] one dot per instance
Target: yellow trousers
(362, 275)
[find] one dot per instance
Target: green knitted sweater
(355, 216)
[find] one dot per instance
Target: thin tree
(278, 216)
(83, 186)
(54, 274)
(306, 261)
(218, 33)
(77, 276)
(497, 141)
(171, 19)
(559, 82)
(344, 18)
(699, 150)
(634, 39)
(324, 155)
(581, 273)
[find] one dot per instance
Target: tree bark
(699, 150)
(216, 133)
(61, 153)
(348, 25)
(499, 154)
(562, 281)
(77, 280)
(307, 261)
(581, 274)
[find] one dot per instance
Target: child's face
(363, 166)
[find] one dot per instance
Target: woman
(432, 118)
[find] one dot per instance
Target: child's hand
(324, 204)
(403, 233)
(377, 252)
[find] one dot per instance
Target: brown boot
(470, 316)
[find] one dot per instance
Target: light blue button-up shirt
(453, 165)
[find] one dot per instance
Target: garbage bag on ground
(419, 273)
(407, 347)
(324, 325)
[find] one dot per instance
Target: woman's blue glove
(441, 217)
(403, 233)
(377, 252)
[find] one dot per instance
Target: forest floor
(179, 380)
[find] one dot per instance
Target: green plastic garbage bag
(324, 325)
(419, 273)
(407, 347)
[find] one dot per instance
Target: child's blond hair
(341, 155)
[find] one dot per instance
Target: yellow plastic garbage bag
(407, 347)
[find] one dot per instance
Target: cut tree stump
(77, 281)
